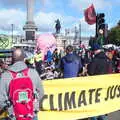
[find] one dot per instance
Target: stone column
(30, 10)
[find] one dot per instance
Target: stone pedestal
(61, 41)
(30, 27)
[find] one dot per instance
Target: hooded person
(99, 64)
(70, 64)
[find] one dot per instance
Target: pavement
(111, 116)
(114, 116)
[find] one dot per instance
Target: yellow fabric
(38, 57)
(31, 60)
(4, 115)
(77, 98)
(81, 97)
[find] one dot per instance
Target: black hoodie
(99, 65)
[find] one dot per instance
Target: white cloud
(86, 30)
(83, 4)
(11, 16)
(44, 21)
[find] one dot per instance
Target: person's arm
(80, 65)
(4, 86)
(39, 86)
(61, 65)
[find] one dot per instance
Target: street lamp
(12, 25)
(80, 31)
(76, 34)
(64, 44)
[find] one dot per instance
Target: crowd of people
(83, 62)
(73, 62)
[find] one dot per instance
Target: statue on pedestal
(57, 26)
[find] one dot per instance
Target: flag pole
(96, 26)
(80, 31)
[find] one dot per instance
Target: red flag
(90, 15)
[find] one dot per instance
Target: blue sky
(70, 13)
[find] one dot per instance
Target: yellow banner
(76, 98)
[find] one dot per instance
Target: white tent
(110, 46)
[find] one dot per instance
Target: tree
(119, 23)
(114, 35)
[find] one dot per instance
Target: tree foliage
(114, 35)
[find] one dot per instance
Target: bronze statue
(57, 26)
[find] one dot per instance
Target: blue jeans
(35, 118)
(102, 117)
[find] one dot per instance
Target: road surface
(114, 116)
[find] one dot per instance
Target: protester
(3, 66)
(14, 79)
(56, 57)
(98, 66)
(49, 73)
(70, 64)
(38, 61)
(110, 61)
(49, 57)
(29, 65)
(87, 59)
(61, 53)
(116, 61)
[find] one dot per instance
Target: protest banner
(82, 97)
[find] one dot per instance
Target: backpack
(21, 95)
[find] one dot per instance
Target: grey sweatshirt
(7, 77)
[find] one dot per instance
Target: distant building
(63, 41)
